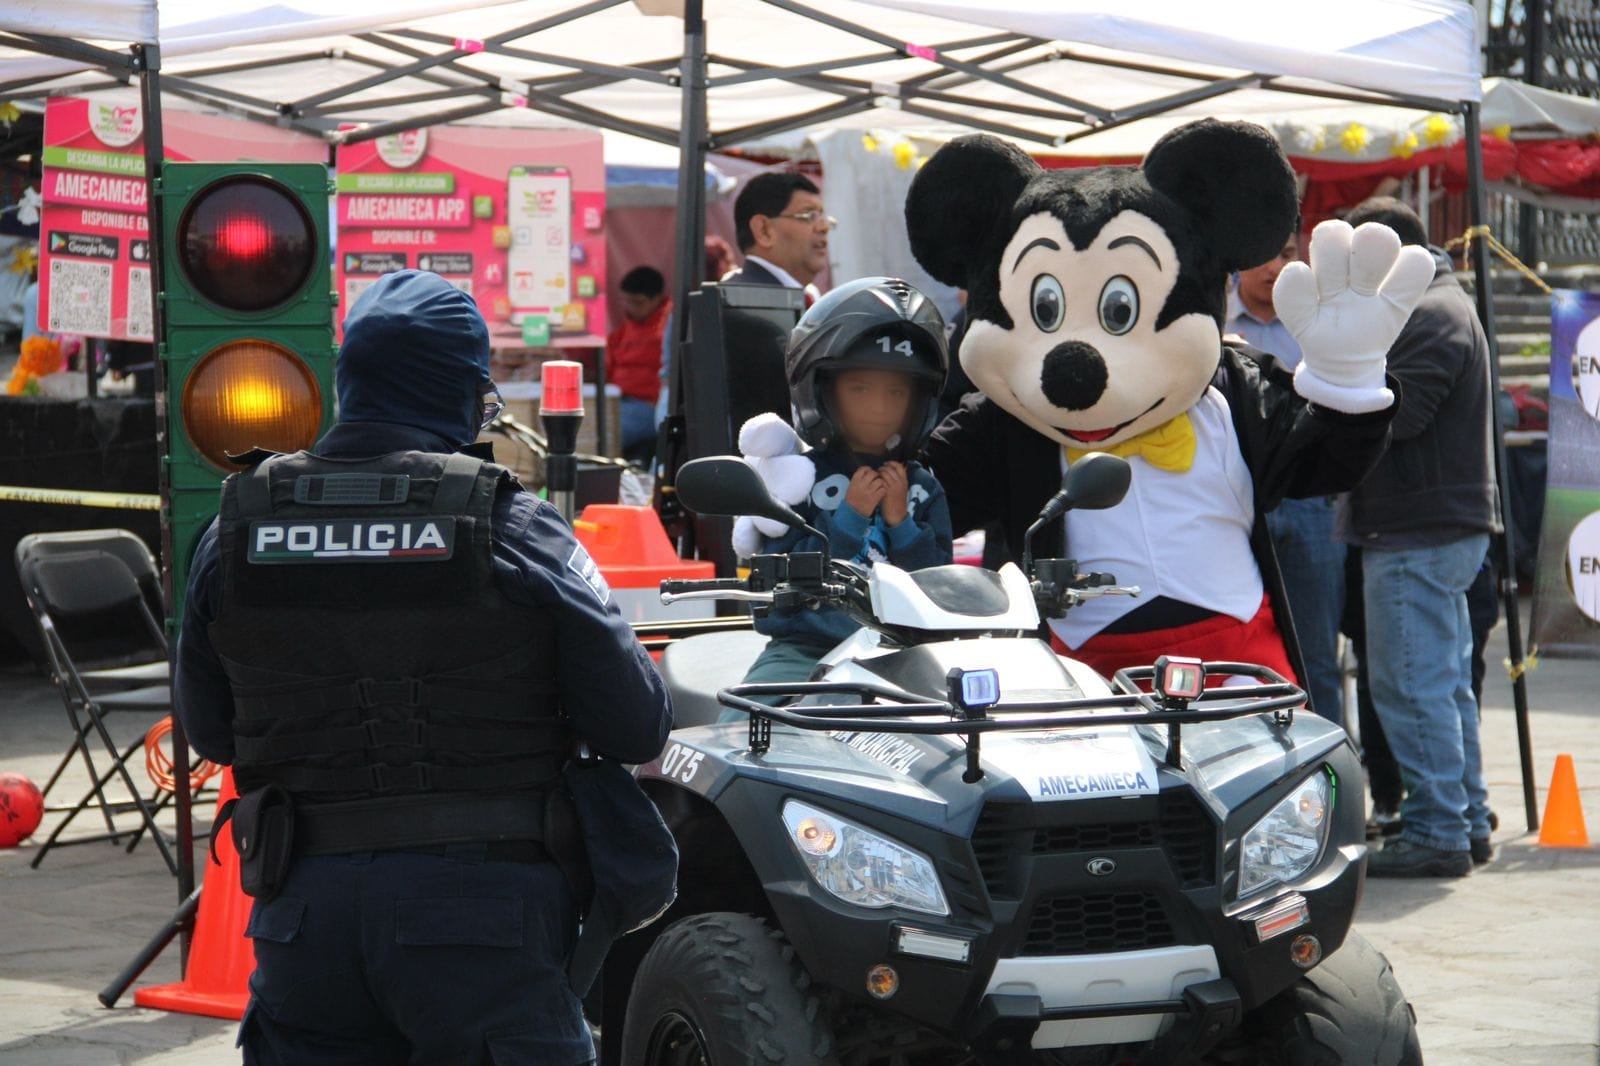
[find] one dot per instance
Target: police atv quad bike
(957, 847)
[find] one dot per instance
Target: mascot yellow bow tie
(1170, 446)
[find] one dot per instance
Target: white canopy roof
(1044, 71)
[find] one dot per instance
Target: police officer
(396, 647)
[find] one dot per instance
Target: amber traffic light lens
(246, 244)
(250, 394)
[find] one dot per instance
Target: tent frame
(933, 95)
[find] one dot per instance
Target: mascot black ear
(959, 203)
(1236, 184)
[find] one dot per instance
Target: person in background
(719, 261)
(782, 230)
(1422, 519)
(1310, 557)
(633, 358)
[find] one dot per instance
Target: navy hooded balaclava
(415, 353)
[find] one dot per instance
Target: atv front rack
(881, 708)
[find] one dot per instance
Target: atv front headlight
(859, 866)
(1288, 841)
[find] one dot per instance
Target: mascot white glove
(1347, 308)
(774, 450)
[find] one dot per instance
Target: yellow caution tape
(1501, 250)
(125, 501)
(1530, 661)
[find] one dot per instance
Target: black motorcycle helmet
(867, 324)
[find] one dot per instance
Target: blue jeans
(638, 427)
(1312, 564)
(1419, 660)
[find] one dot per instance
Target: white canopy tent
(1045, 71)
(707, 74)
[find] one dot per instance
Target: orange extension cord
(158, 764)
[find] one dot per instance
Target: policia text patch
(366, 540)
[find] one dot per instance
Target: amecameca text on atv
(956, 846)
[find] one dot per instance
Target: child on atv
(865, 366)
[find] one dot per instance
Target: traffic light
(247, 343)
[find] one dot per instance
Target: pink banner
(514, 217)
(94, 235)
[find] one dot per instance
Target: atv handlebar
(675, 586)
(736, 595)
(1073, 597)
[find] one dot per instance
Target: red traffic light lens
(246, 244)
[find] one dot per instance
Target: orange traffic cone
(1563, 811)
(221, 957)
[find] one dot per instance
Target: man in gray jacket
(1422, 519)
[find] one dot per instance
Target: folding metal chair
(133, 554)
(73, 587)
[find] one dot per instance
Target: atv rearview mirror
(1093, 483)
(725, 485)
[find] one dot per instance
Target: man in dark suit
(782, 231)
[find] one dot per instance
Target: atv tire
(1349, 1011)
(724, 990)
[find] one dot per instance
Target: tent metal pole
(1152, 108)
(410, 98)
(552, 102)
(853, 106)
(940, 96)
(899, 91)
(946, 61)
(147, 60)
(222, 96)
(948, 79)
(67, 48)
(1270, 84)
(759, 72)
(690, 265)
(1504, 539)
(430, 76)
(400, 125)
(428, 62)
(1002, 129)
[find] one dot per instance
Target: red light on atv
(246, 244)
(1179, 678)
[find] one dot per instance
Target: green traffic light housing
(247, 342)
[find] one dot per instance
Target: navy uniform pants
(402, 957)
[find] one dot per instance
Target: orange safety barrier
(631, 548)
(221, 957)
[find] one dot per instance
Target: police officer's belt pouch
(263, 831)
(633, 860)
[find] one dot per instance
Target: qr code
(80, 298)
(141, 327)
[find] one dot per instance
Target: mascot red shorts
(1222, 638)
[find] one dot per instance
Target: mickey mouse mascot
(1095, 300)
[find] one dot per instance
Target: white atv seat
(696, 668)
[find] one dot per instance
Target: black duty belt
(408, 822)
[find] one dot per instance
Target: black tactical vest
(370, 654)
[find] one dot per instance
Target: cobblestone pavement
(1503, 967)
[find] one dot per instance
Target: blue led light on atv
(980, 688)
